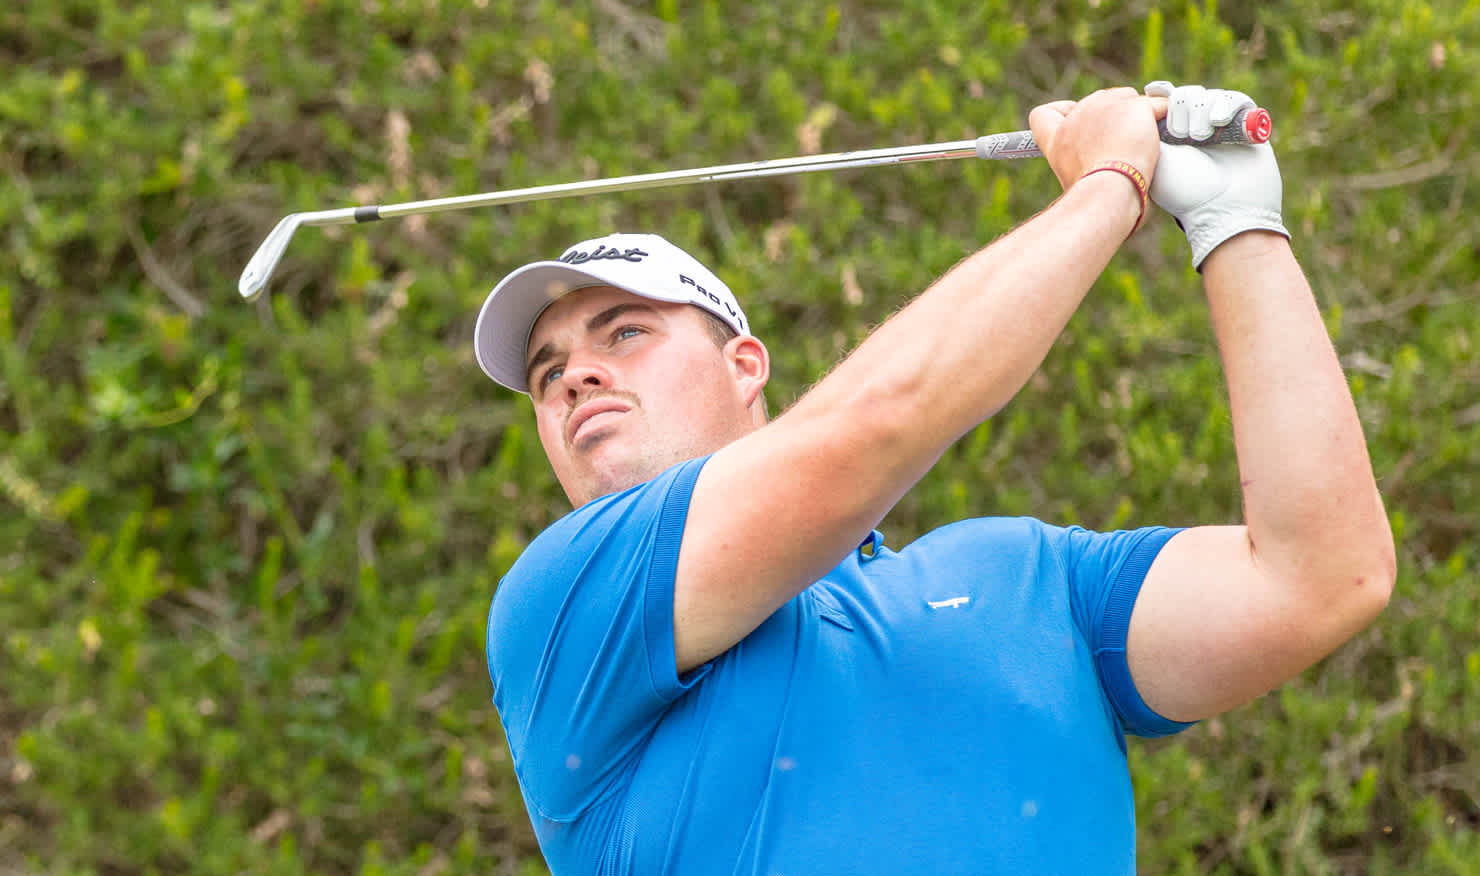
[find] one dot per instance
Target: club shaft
(717, 173)
(1017, 144)
(259, 270)
(1246, 127)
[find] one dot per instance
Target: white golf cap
(643, 264)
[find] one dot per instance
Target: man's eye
(550, 376)
(626, 332)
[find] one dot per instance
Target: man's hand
(1115, 124)
(1215, 192)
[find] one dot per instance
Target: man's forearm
(1310, 500)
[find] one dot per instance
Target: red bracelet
(1135, 176)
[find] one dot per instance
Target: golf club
(1248, 126)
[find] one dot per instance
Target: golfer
(715, 665)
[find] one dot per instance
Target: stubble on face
(641, 443)
(609, 468)
(623, 450)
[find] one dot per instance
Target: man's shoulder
(610, 523)
(1000, 544)
(582, 567)
(1028, 531)
(985, 549)
(994, 531)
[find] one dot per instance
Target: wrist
(1248, 232)
(1250, 245)
(1101, 178)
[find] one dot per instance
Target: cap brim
(508, 315)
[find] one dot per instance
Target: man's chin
(592, 439)
(610, 470)
(607, 485)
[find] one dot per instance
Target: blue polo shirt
(957, 707)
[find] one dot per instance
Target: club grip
(1249, 127)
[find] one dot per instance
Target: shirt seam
(663, 572)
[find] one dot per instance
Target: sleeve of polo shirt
(580, 642)
(1106, 570)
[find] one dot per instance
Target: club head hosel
(260, 267)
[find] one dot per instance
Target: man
(713, 664)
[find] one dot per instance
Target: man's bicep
(1212, 629)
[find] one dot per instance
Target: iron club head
(259, 269)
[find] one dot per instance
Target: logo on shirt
(953, 602)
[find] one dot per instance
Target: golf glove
(1215, 192)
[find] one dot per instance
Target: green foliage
(246, 551)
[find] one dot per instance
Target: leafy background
(246, 550)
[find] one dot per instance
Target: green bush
(248, 549)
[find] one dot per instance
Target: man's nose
(584, 372)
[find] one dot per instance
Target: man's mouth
(592, 415)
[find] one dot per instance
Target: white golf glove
(1214, 192)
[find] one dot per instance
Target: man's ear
(750, 362)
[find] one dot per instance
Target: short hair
(719, 331)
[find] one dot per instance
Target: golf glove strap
(1215, 192)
